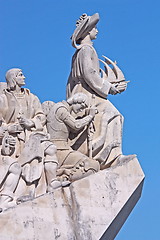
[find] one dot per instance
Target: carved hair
(78, 98)
(10, 77)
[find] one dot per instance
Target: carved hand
(122, 86)
(93, 111)
(15, 128)
(114, 90)
(11, 141)
(27, 123)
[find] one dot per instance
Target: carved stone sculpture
(21, 110)
(21, 114)
(73, 165)
(62, 172)
(39, 165)
(85, 77)
(10, 171)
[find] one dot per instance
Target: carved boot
(56, 183)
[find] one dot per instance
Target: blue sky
(35, 36)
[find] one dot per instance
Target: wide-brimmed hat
(83, 26)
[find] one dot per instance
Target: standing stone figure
(20, 109)
(73, 165)
(21, 114)
(86, 77)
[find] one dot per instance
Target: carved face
(20, 79)
(93, 33)
(78, 107)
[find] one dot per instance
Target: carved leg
(12, 179)
(6, 199)
(31, 193)
(50, 170)
(84, 169)
(52, 181)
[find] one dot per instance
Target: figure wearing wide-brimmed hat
(86, 77)
(84, 25)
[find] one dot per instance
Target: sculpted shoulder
(87, 48)
(59, 110)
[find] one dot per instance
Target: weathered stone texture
(91, 208)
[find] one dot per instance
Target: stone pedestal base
(90, 209)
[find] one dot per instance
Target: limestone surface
(62, 171)
(92, 208)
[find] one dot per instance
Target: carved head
(84, 26)
(79, 102)
(15, 77)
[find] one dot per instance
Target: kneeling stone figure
(73, 165)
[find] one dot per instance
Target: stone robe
(28, 106)
(85, 77)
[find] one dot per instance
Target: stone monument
(63, 174)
